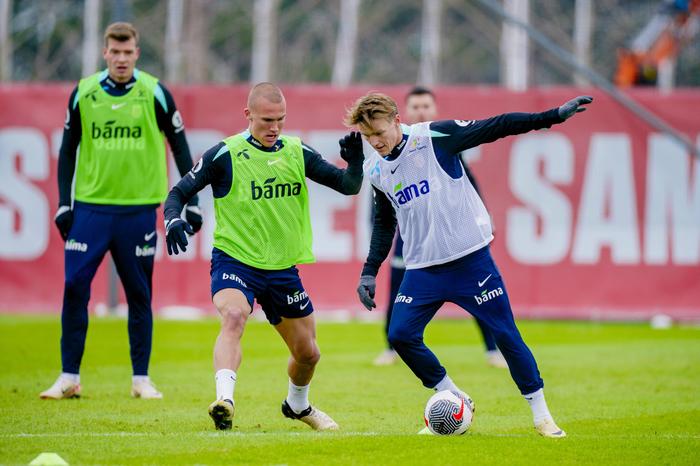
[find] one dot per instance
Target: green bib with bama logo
(264, 219)
(122, 152)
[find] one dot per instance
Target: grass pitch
(625, 394)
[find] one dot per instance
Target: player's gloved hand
(64, 220)
(193, 216)
(176, 231)
(351, 148)
(573, 106)
(366, 289)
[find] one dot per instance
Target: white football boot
(61, 389)
(146, 390)
(313, 417)
(221, 411)
(548, 428)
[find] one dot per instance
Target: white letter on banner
(540, 231)
(673, 196)
(607, 214)
(30, 239)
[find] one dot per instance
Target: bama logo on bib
(402, 194)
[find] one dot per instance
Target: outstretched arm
(345, 181)
(383, 230)
(454, 136)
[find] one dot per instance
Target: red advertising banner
(595, 218)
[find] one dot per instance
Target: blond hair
(121, 32)
(367, 108)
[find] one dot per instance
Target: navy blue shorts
(279, 292)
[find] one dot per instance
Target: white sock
(298, 397)
(446, 384)
(540, 412)
(225, 383)
(72, 378)
(139, 379)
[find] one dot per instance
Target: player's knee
(233, 318)
(307, 354)
(75, 287)
(400, 336)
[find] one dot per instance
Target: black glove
(176, 231)
(64, 220)
(351, 148)
(366, 289)
(573, 106)
(193, 216)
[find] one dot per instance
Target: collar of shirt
(397, 150)
(116, 89)
(258, 145)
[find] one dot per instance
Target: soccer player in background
(263, 229)
(417, 176)
(118, 117)
(421, 107)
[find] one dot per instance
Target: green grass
(626, 394)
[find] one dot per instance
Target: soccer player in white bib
(418, 180)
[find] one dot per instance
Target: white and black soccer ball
(448, 413)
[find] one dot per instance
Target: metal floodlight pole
(264, 36)
(430, 42)
(91, 42)
(347, 43)
(173, 41)
(5, 40)
(595, 78)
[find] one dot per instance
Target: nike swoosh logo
(303, 306)
(116, 106)
(484, 282)
(394, 170)
(150, 235)
(272, 162)
(459, 415)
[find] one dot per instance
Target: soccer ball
(448, 413)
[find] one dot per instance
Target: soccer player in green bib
(263, 229)
(118, 118)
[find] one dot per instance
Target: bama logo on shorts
(488, 295)
(145, 251)
(234, 277)
(297, 297)
(73, 245)
(403, 299)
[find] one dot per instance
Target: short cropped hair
(121, 32)
(371, 106)
(268, 91)
(419, 90)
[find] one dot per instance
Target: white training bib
(440, 218)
